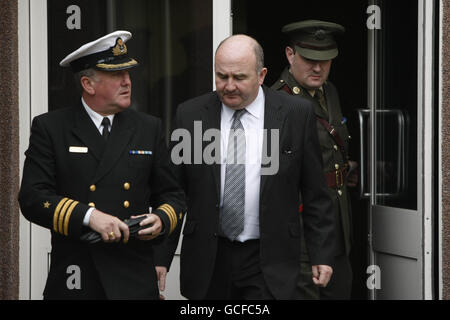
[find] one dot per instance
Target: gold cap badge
(120, 48)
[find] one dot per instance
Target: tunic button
(335, 147)
(126, 204)
(92, 187)
(339, 192)
(91, 204)
(126, 186)
(336, 166)
(296, 90)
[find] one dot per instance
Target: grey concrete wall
(9, 152)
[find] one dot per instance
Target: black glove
(133, 225)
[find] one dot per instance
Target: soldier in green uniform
(312, 47)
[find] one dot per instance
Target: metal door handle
(400, 179)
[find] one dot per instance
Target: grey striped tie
(232, 216)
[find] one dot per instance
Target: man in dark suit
(89, 168)
(241, 236)
(311, 50)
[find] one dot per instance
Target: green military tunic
(331, 154)
(333, 159)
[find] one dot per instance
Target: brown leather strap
(335, 135)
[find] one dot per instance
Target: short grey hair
(90, 73)
(259, 54)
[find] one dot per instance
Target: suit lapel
(86, 131)
(211, 120)
(273, 120)
(121, 133)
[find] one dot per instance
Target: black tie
(105, 123)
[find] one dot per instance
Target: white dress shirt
(253, 123)
(97, 119)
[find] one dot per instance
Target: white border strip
(40, 237)
(427, 10)
(24, 134)
(222, 25)
(39, 60)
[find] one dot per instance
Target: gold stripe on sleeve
(67, 218)
(56, 213)
(62, 214)
(166, 211)
(171, 214)
(172, 217)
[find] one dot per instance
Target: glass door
(396, 151)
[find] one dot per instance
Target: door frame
(222, 26)
(426, 150)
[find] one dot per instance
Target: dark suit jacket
(60, 183)
(300, 171)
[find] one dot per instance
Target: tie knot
(106, 122)
(238, 114)
(318, 94)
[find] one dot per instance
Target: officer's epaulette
(278, 85)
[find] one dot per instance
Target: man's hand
(111, 228)
(161, 273)
(151, 232)
(321, 275)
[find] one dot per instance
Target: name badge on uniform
(141, 152)
(78, 149)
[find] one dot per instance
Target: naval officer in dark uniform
(92, 167)
(312, 47)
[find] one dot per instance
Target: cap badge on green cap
(320, 35)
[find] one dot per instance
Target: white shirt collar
(96, 117)
(256, 108)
